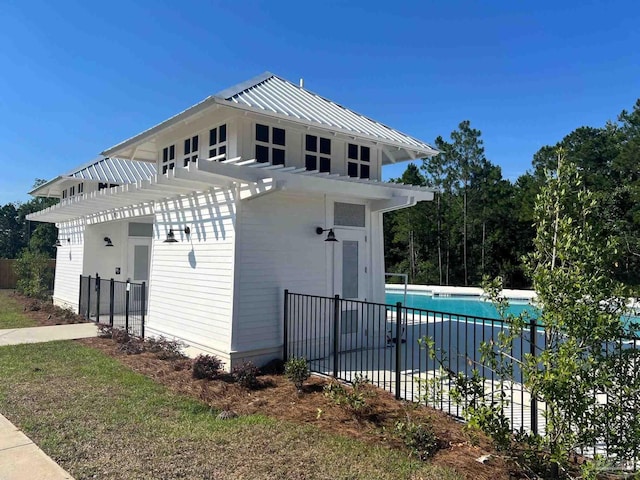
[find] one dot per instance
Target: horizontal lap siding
(69, 262)
(277, 249)
(191, 284)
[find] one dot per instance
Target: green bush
(297, 370)
(419, 438)
(353, 399)
(34, 274)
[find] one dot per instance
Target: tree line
(17, 234)
(481, 224)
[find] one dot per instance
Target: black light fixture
(108, 241)
(171, 237)
(59, 243)
(331, 237)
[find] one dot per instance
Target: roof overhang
(250, 179)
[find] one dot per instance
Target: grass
(11, 315)
(99, 419)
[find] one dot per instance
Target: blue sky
(78, 77)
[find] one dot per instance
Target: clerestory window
(317, 154)
(358, 161)
(270, 143)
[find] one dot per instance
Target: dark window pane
(310, 162)
(186, 161)
(364, 171)
(194, 158)
(213, 136)
(213, 152)
(325, 146)
(325, 164)
(222, 149)
(262, 133)
(194, 144)
(311, 143)
(187, 146)
(278, 156)
(353, 151)
(223, 133)
(172, 152)
(262, 154)
(278, 136)
(165, 154)
(352, 169)
(365, 154)
(172, 165)
(164, 169)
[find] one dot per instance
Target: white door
(139, 259)
(351, 282)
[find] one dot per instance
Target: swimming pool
(472, 306)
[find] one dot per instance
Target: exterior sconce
(108, 241)
(59, 243)
(331, 237)
(171, 237)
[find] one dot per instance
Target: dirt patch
(277, 398)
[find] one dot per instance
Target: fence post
(533, 332)
(112, 291)
(143, 306)
(97, 298)
(336, 333)
(80, 297)
(398, 346)
(89, 298)
(285, 326)
(126, 306)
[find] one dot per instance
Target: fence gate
(115, 303)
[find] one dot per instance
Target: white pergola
(250, 177)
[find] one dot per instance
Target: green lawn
(99, 419)
(11, 315)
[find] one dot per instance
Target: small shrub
(34, 274)
(105, 331)
(206, 366)
(246, 375)
(297, 370)
(353, 399)
(163, 348)
(120, 335)
(132, 347)
(419, 438)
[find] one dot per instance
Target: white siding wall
(277, 249)
(69, 260)
(191, 283)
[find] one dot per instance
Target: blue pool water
(471, 306)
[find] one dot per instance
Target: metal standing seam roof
(104, 169)
(271, 93)
(114, 170)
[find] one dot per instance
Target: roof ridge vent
(302, 83)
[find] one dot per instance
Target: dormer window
(317, 153)
(218, 141)
(190, 150)
(358, 161)
(269, 141)
(168, 158)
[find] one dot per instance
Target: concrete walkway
(20, 458)
(15, 336)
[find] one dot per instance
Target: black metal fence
(346, 338)
(115, 303)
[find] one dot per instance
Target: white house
(243, 180)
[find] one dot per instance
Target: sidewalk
(15, 336)
(20, 458)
